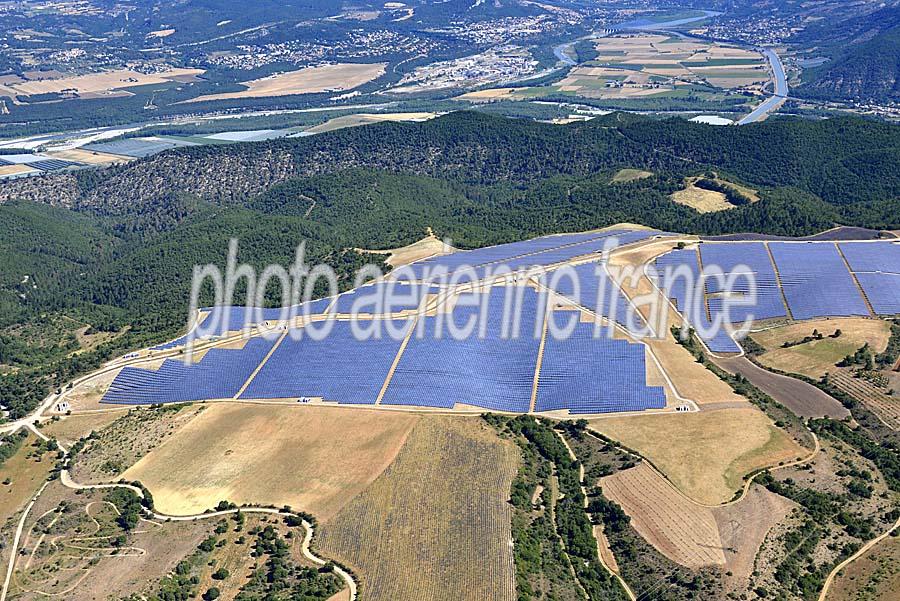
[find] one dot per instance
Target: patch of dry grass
(707, 454)
(817, 357)
(436, 524)
(314, 459)
(309, 80)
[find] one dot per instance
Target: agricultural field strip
(885, 408)
(747, 483)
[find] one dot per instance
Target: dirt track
(803, 399)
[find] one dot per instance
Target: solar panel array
(382, 298)
(876, 266)
(490, 369)
(879, 257)
(52, 164)
(587, 374)
(590, 286)
(687, 292)
(815, 280)
(220, 319)
(545, 251)
(218, 375)
(754, 262)
(339, 367)
(136, 147)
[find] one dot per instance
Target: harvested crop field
(681, 530)
(802, 398)
(690, 534)
(309, 80)
(707, 454)
(314, 459)
(817, 357)
(436, 524)
(100, 82)
(89, 157)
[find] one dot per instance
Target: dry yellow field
(309, 80)
(99, 82)
(367, 119)
(89, 157)
(707, 454)
(818, 357)
(426, 247)
(314, 459)
(16, 169)
(486, 95)
(25, 475)
(704, 201)
(436, 524)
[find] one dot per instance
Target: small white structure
(62, 406)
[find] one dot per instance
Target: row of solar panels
(582, 373)
(540, 252)
(44, 164)
(813, 280)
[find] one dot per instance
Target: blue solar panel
(339, 367)
(591, 287)
(687, 292)
(815, 280)
(882, 290)
(589, 374)
(221, 319)
(486, 369)
(544, 251)
(756, 263)
(878, 257)
(218, 375)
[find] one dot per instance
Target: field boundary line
(261, 364)
(396, 361)
(540, 360)
(787, 307)
(748, 482)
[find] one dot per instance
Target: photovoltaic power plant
(876, 266)
(754, 262)
(589, 374)
(678, 275)
(218, 375)
(810, 279)
(339, 367)
(491, 368)
(816, 281)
